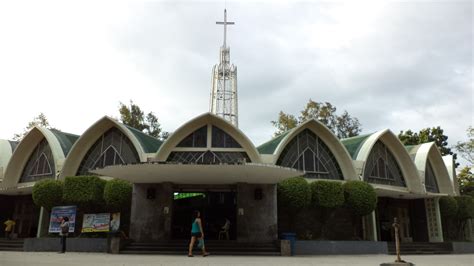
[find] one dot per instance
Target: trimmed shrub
(448, 206)
(84, 191)
(294, 193)
(327, 194)
(360, 197)
(465, 207)
(118, 194)
(48, 193)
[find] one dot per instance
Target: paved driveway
(101, 259)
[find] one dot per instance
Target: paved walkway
(91, 259)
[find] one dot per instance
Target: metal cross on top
(225, 23)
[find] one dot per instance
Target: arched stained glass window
(307, 152)
(382, 167)
(40, 165)
(431, 184)
(112, 148)
(220, 139)
(208, 157)
(197, 139)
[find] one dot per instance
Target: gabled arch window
(308, 153)
(208, 157)
(40, 165)
(220, 139)
(382, 167)
(197, 139)
(112, 148)
(431, 184)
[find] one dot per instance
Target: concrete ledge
(311, 247)
(72, 244)
(463, 247)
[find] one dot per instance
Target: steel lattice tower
(224, 83)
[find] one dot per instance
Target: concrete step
(197, 253)
(421, 248)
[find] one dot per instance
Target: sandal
(206, 254)
(190, 255)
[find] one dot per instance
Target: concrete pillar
(256, 217)
(43, 223)
(369, 223)
(433, 219)
(150, 218)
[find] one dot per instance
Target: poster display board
(96, 222)
(57, 214)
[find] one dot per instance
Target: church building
(209, 156)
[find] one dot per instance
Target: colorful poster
(57, 214)
(96, 222)
(115, 222)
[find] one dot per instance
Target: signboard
(96, 222)
(57, 214)
(115, 222)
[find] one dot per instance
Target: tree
(285, 122)
(361, 199)
(294, 194)
(343, 126)
(47, 193)
(328, 196)
(434, 134)
(133, 116)
(39, 120)
(466, 149)
(118, 194)
(466, 181)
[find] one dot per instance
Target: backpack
(65, 228)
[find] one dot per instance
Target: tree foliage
(327, 194)
(48, 193)
(448, 206)
(294, 193)
(118, 194)
(434, 134)
(84, 191)
(466, 181)
(466, 149)
(465, 208)
(133, 116)
(40, 121)
(343, 125)
(360, 197)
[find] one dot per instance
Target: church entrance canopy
(199, 173)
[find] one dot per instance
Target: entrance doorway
(216, 208)
(410, 214)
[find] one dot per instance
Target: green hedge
(118, 194)
(360, 197)
(465, 207)
(83, 191)
(448, 206)
(48, 193)
(327, 194)
(294, 193)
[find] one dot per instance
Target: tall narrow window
(431, 184)
(221, 139)
(382, 167)
(112, 148)
(308, 153)
(40, 165)
(197, 139)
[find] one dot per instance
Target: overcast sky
(393, 65)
